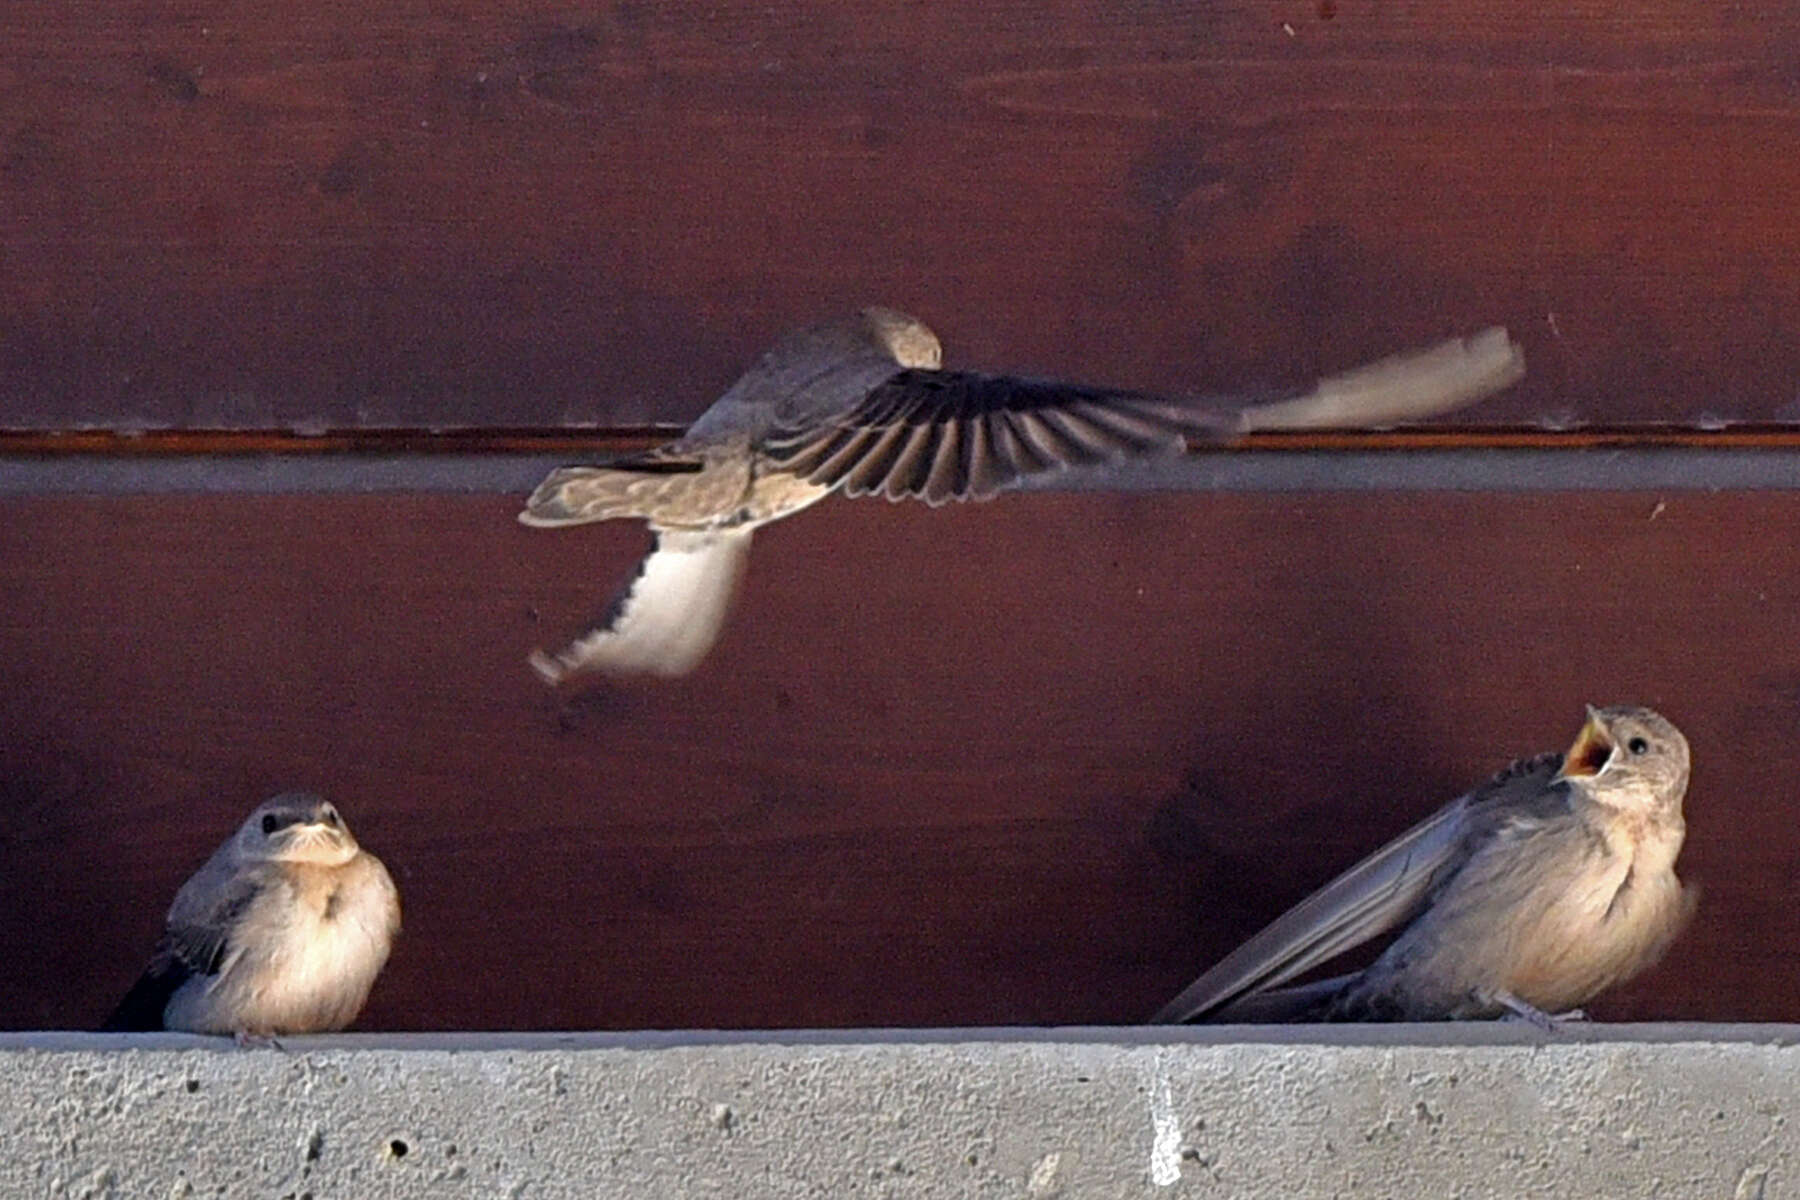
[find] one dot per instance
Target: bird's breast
(341, 928)
(307, 962)
(1613, 919)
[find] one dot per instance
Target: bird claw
(246, 1040)
(1531, 1014)
(551, 670)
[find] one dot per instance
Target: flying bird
(1531, 895)
(283, 931)
(864, 407)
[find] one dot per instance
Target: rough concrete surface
(1405, 1111)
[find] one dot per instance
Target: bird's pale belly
(1590, 941)
(313, 976)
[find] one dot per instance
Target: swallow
(864, 407)
(283, 931)
(1529, 895)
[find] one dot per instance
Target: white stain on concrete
(1165, 1144)
(1043, 1181)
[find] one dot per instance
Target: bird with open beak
(865, 407)
(282, 931)
(1529, 895)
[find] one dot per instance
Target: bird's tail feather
(636, 488)
(1404, 387)
(667, 617)
(1285, 1005)
(141, 1011)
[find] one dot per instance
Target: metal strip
(1635, 468)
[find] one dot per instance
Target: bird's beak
(1592, 750)
(319, 831)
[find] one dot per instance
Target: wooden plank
(1029, 762)
(394, 213)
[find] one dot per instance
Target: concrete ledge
(1367, 1111)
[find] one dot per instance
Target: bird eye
(269, 823)
(1638, 746)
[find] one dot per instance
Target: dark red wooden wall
(429, 212)
(1032, 761)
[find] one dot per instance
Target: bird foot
(1531, 1014)
(257, 1041)
(551, 670)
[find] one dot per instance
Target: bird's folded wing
(668, 615)
(201, 924)
(958, 435)
(1380, 893)
(196, 941)
(1404, 387)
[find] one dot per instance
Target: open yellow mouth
(1592, 749)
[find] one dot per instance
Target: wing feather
(1050, 426)
(196, 941)
(1384, 891)
(967, 434)
(629, 487)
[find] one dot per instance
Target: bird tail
(636, 487)
(1277, 1006)
(1404, 387)
(667, 616)
(141, 1011)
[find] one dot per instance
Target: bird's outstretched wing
(959, 435)
(956, 435)
(1382, 892)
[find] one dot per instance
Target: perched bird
(864, 407)
(282, 931)
(1531, 895)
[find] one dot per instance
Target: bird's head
(1628, 757)
(296, 827)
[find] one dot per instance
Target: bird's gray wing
(1382, 892)
(955, 435)
(199, 933)
(959, 435)
(195, 941)
(815, 375)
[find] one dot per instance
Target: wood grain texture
(398, 213)
(1030, 762)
